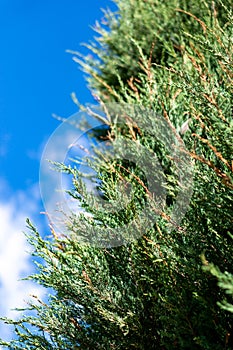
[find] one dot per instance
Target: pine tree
(159, 290)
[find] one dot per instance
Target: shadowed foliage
(162, 290)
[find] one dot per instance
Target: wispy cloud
(15, 261)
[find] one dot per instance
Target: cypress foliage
(163, 290)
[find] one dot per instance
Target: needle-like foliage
(163, 289)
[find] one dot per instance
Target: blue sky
(37, 77)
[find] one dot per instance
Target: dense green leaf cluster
(161, 290)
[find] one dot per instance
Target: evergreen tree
(159, 290)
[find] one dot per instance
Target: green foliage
(175, 59)
(157, 27)
(225, 281)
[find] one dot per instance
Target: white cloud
(15, 261)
